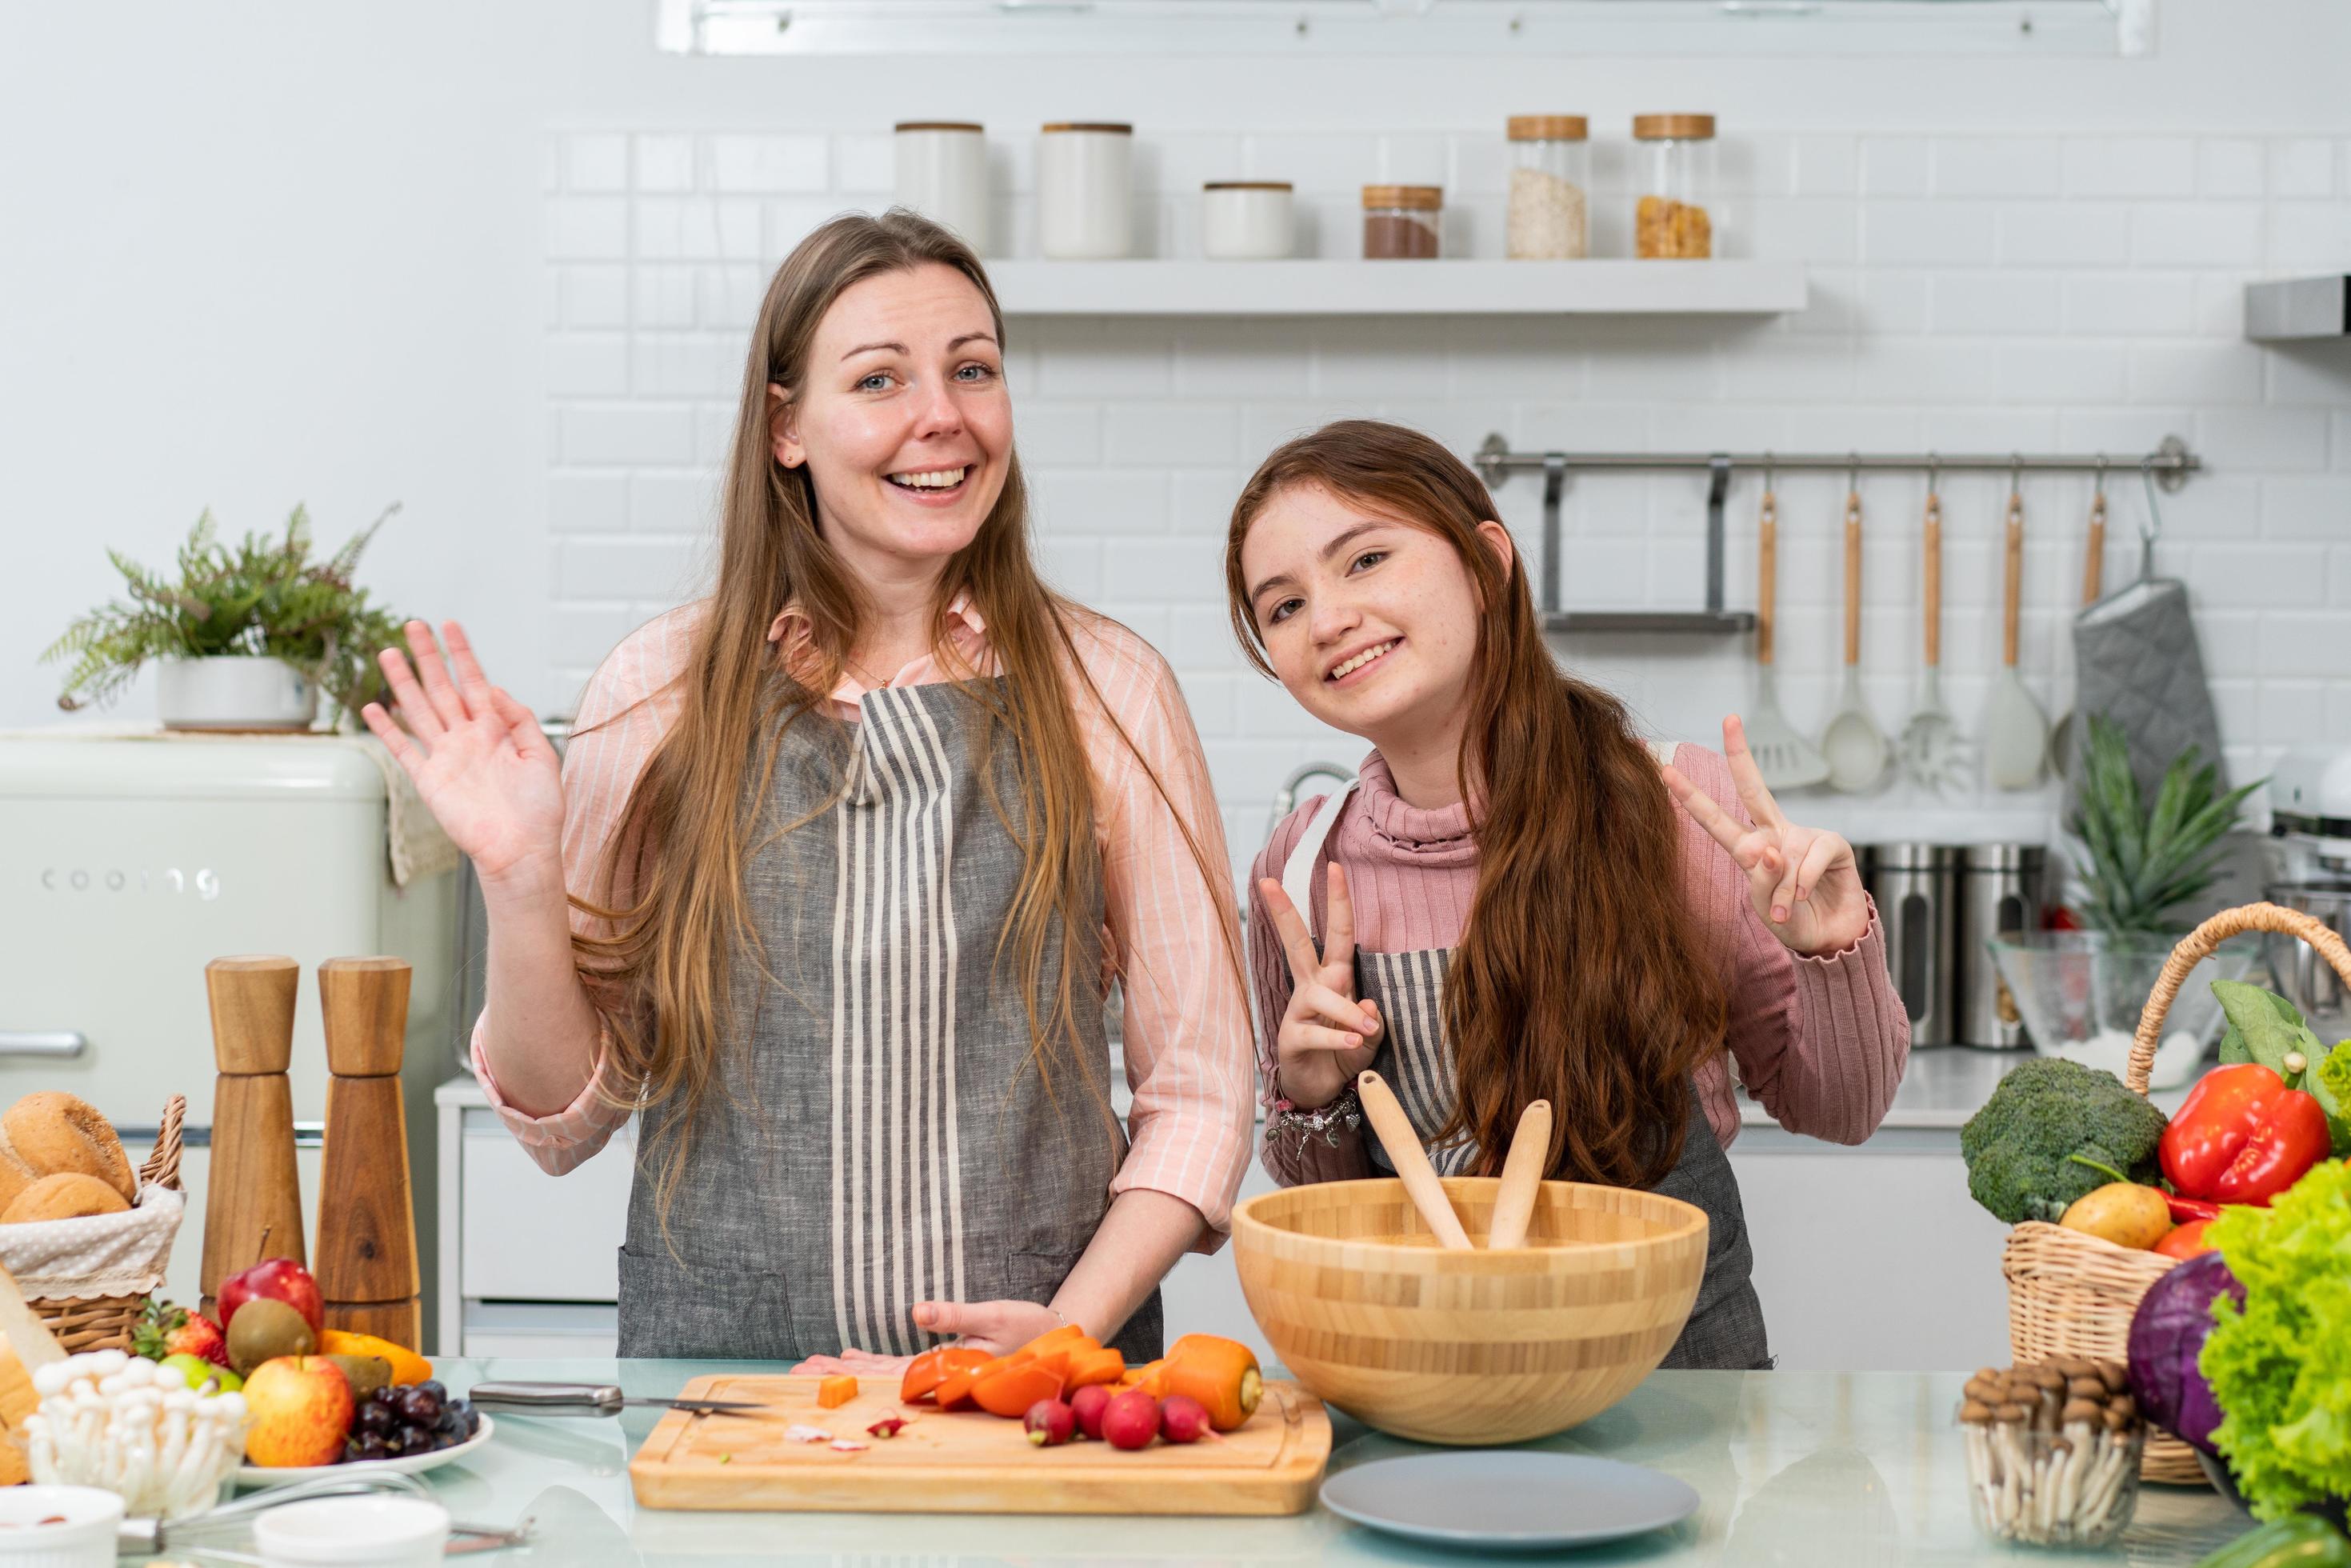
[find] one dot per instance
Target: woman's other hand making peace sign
(1801, 880)
(1327, 1037)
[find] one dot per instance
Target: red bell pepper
(2243, 1136)
(2189, 1210)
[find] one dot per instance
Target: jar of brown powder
(1401, 222)
(1674, 172)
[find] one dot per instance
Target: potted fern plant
(246, 636)
(2142, 865)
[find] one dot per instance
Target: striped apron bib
(1726, 1324)
(876, 1134)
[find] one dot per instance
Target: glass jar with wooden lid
(1403, 222)
(1674, 171)
(1550, 165)
(1085, 190)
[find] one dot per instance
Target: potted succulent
(246, 638)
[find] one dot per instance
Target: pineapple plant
(2143, 862)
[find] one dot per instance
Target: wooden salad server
(1411, 1161)
(1522, 1171)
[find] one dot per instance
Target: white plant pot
(233, 691)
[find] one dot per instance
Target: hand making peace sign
(1326, 1036)
(1803, 881)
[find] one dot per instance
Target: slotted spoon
(1853, 745)
(1935, 755)
(2016, 731)
(1785, 758)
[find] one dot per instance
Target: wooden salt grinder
(251, 1192)
(367, 1222)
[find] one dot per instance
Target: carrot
(835, 1392)
(1221, 1373)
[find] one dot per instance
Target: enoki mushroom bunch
(134, 1428)
(2052, 1449)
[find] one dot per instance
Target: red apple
(301, 1411)
(280, 1279)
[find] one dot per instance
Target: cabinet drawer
(531, 1237)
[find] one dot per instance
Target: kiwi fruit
(365, 1373)
(265, 1329)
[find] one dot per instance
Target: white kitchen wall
(497, 261)
(1970, 292)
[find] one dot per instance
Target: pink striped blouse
(1187, 1025)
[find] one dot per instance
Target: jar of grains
(943, 174)
(1085, 190)
(1550, 164)
(1401, 222)
(1674, 172)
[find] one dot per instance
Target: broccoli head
(2019, 1147)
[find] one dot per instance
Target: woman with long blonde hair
(1511, 906)
(839, 863)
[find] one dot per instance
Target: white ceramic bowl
(85, 1539)
(352, 1532)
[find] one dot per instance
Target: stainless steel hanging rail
(2168, 465)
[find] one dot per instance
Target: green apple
(199, 1372)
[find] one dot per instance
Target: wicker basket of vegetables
(2076, 1278)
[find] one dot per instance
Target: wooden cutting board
(966, 1462)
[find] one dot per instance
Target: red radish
(1183, 1419)
(1131, 1420)
(888, 1426)
(1049, 1423)
(1089, 1403)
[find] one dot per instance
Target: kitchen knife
(586, 1399)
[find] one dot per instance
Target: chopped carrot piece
(836, 1391)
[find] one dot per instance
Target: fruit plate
(406, 1464)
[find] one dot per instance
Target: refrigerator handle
(49, 1043)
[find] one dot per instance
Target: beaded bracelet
(1344, 1115)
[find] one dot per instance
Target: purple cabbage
(2166, 1336)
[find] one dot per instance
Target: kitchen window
(1407, 27)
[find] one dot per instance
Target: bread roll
(69, 1194)
(53, 1133)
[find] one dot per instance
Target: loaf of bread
(55, 1133)
(69, 1195)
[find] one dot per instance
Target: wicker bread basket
(105, 1321)
(2069, 1294)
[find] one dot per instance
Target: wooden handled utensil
(1853, 745)
(2094, 578)
(1514, 1201)
(253, 1199)
(1412, 1167)
(2016, 732)
(367, 1265)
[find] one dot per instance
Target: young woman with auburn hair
(837, 865)
(1514, 908)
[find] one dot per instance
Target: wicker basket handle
(163, 1164)
(2199, 944)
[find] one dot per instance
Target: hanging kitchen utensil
(1523, 1169)
(2016, 731)
(2139, 664)
(1786, 759)
(1386, 1117)
(2062, 740)
(1853, 745)
(1933, 753)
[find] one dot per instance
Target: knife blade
(589, 1399)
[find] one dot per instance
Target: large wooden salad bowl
(1366, 1311)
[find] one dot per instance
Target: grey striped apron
(876, 1134)
(1726, 1324)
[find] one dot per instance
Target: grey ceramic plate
(1509, 1497)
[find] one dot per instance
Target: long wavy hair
(672, 920)
(1578, 978)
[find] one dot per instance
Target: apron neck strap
(1298, 870)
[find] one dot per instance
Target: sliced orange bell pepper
(955, 1389)
(1221, 1373)
(928, 1370)
(1066, 1337)
(1009, 1391)
(835, 1391)
(1095, 1366)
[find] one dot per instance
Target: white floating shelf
(1398, 288)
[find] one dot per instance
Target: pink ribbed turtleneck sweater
(1820, 1042)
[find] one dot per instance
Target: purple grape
(374, 1418)
(418, 1405)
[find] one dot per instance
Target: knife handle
(545, 1398)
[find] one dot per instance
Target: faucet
(1285, 799)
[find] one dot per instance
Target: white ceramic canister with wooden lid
(1246, 220)
(1085, 190)
(943, 174)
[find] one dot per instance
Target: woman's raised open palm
(481, 763)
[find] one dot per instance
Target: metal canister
(2000, 895)
(1915, 887)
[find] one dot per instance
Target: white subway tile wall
(1969, 293)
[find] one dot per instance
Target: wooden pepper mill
(367, 1224)
(253, 1199)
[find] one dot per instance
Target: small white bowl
(352, 1532)
(92, 1520)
